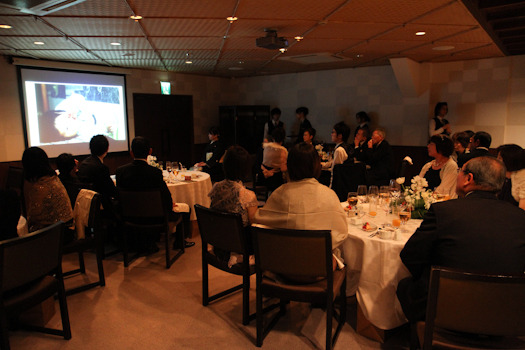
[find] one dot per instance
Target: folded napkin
(181, 208)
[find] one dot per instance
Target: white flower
(400, 180)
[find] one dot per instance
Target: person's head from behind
(9, 213)
(36, 164)
(441, 109)
(99, 145)
(480, 139)
(235, 163)
(213, 133)
(440, 144)
(275, 114)
(480, 174)
(461, 141)
(378, 135)
(66, 164)
(301, 113)
(309, 135)
(303, 162)
(340, 132)
(140, 147)
(362, 117)
(513, 156)
(278, 135)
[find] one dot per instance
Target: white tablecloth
(374, 270)
(192, 192)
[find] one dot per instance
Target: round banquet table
(191, 192)
(375, 269)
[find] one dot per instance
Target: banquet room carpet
(146, 306)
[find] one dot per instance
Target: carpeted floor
(148, 307)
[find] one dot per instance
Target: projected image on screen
(74, 113)
(64, 110)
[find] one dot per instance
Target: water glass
(361, 193)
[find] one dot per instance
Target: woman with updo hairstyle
(47, 201)
(513, 191)
(441, 173)
(303, 203)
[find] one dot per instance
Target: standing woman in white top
(441, 173)
(439, 125)
(273, 166)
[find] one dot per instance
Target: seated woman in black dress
(441, 173)
(67, 166)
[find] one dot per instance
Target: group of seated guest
(476, 233)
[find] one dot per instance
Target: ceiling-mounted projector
(271, 41)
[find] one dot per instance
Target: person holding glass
(441, 172)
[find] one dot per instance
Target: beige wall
(486, 94)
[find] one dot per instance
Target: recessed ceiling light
(188, 61)
(282, 49)
(443, 48)
(115, 44)
(232, 19)
(421, 33)
(358, 55)
(38, 43)
(298, 38)
(5, 26)
(136, 18)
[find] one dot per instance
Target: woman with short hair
(513, 191)
(441, 173)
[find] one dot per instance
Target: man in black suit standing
(476, 232)
(479, 146)
(212, 156)
(93, 171)
(139, 175)
(301, 113)
(379, 159)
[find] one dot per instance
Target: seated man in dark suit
(379, 159)
(138, 175)
(93, 171)
(479, 146)
(212, 156)
(476, 232)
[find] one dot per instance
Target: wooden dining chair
(143, 212)
(31, 272)
(296, 265)
(473, 311)
(93, 240)
(225, 231)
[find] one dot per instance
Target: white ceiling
(337, 34)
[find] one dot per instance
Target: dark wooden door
(167, 121)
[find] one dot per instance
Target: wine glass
(373, 192)
(361, 193)
(169, 166)
(395, 190)
(384, 195)
(352, 199)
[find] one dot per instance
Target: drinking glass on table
(361, 193)
(395, 190)
(169, 167)
(404, 216)
(384, 195)
(352, 199)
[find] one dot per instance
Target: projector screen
(64, 109)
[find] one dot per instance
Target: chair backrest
(475, 303)
(26, 259)
(305, 253)
(222, 230)
(94, 218)
(347, 177)
(15, 179)
(141, 204)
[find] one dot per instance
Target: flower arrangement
(418, 196)
(152, 160)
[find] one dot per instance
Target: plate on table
(369, 227)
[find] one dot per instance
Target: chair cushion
(445, 339)
(236, 269)
(314, 292)
(26, 296)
